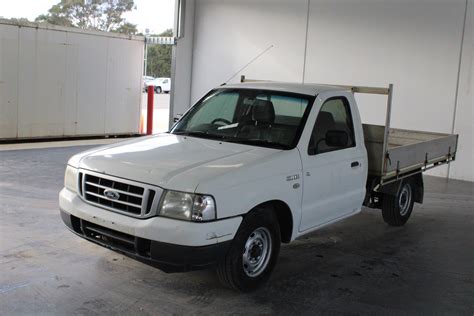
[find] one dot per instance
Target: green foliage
(101, 15)
(18, 20)
(159, 58)
(126, 28)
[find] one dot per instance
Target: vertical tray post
(387, 129)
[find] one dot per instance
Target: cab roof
(300, 88)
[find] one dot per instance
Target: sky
(156, 15)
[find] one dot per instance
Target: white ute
(159, 84)
(249, 166)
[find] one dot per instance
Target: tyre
(158, 89)
(253, 253)
(396, 209)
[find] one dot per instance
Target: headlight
(70, 178)
(188, 206)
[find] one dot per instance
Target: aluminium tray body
(407, 151)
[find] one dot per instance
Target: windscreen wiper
(245, 141)
(256, 142)
(198, 134)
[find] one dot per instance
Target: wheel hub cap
(404, 200)
(257, 252)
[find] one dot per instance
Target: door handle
(355, 164)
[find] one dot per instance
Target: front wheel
(253, 253)
(396, 209)
(158, 89)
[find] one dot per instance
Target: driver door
(334, 174)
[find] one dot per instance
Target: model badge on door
(293, 177)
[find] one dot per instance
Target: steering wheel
(223, 120)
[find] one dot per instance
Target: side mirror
(177, 117)
(337, 138)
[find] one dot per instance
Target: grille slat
(132, 198)
(114, 201)
(115, 189)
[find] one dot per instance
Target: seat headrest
(325, 119)
(263, 112)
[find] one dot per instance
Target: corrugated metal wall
(58, 81)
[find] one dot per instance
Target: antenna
(249, 63)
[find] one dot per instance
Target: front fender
(277, 176)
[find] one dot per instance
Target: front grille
(119, 195)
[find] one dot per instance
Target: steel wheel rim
(404, 200)
(257, 252)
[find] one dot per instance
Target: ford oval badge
(111, 194)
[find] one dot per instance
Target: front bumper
(171, 245)
(167, 257)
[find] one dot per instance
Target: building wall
(463, 168)
(182, 64)
(66, 82)
(415, 45)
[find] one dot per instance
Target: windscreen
(255, 117)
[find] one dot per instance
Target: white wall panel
(182, 65)
(463, 167)
(8, 82)
(122, 100)
(42, 83)
(58, 81)
(71, 81)
(413, 44)
(88, 57)
(228, 34)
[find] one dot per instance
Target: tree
(126, 28)
(159, 58)
(101, 15)
(17, 20)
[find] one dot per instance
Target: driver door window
(334, 117)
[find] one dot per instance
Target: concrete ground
(358, 266)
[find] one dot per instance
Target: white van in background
(160, 84)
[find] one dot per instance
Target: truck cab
(248, 167)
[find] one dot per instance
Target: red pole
(149, 115)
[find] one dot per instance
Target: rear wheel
(253, 253)
(158, 89)
(396, 209)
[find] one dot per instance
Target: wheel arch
(284, 216)
(418, 187)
